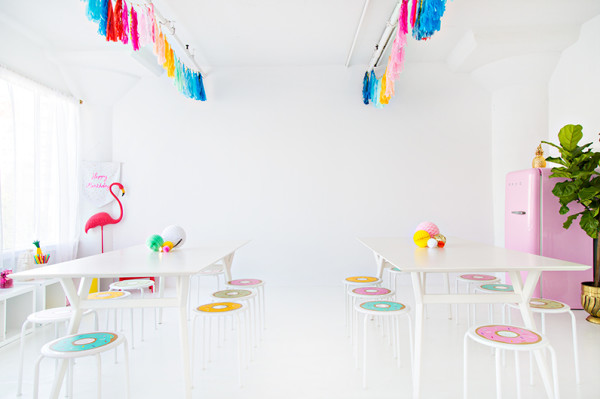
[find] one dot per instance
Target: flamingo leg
(102, 236)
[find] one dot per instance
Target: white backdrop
(293, 160)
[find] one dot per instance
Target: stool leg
(447, 285)
(554, 372)
(70, 379)
(99, 362)
(575, 347)
(530, 368)
(132, 327)
(36, 377)
(346, 307)
(193, 346)
(262, 299)
(364, 348)
(456, 306)
(239, 348)
(465, 365)
(127, 381)
(410, 340)
(22, 357)
(517, 373)
(142, 310)
(498, 375)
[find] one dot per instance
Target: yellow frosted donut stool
(135, 284)
(81, 345)
(221, 311)
(502, 337)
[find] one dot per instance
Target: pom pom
(429, 227)
(155, 242)
(421, 237)
(175, 235)
(441, 240)
(432, 243)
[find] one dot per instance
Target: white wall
(574, 89)
(293, 160)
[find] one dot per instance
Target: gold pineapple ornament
(539, 161)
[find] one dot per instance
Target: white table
(462, 256)
(137, 261)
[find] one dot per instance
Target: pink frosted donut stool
(253, 284)
(512, 338)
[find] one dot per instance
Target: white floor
(306, 354)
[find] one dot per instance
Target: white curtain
(39, 131)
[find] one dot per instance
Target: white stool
(77, 346)
(250, 298)
(471, 280)
(216, 270)
(139, 284)
(111, 296)
(259, 286)
(365, 294)
(219, 310)
(386, 309)
(505, 337)
(354, 282)
(548, 306)
(494, 288)
(53, 315)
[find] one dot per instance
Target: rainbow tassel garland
(137, 24)
(425, 20)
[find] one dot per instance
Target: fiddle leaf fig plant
(578, 166)
(582, 184)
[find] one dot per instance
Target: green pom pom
(155, 242)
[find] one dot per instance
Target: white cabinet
(15, 305)
(48, 293)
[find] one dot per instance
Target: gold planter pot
(590, 299)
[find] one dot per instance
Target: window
(38, 168)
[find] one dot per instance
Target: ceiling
(246, 33)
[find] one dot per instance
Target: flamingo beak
(123, 192)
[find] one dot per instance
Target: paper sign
(96, 179)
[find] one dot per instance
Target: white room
(285, 159)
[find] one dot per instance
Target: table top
(461, 255)
(138, 261)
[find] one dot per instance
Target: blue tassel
(103, 21)
(366, 88)
(429, 16)
(94, 9)
(372, 86)
(202, 94)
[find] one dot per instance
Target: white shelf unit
(15, 305)
(48, 293)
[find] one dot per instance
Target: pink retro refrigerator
(533, 225)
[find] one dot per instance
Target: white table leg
(380, 264)
(161, 295)
(228, 261)
(418, 292)
(526, 291)
(183, 284)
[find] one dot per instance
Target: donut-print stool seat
(80, 345)
(478, 278)
(259, 285)
(544, 307)
(234, 294)
(367, 292)
(389, 312)
(495, 288)
(217, 311)
(350, 283)
(52, 315)
(102, 295)
(513, 338)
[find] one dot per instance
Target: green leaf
(569, 136)
(589, 223)
(564, 189)
(564, 210)
(588, 193)
(556, 160)
(569, 220)
(561, 172)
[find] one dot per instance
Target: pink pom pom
(429, 227)
(166, 248)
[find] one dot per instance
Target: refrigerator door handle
(519, 212)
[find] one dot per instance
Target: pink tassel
(135, 36)
(413, 13)
(153, 23)
(125, 21)
(403, 19)
(396, 60)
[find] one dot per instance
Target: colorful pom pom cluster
(172, 237)
(428, 234)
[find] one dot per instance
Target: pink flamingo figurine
(102, 218)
